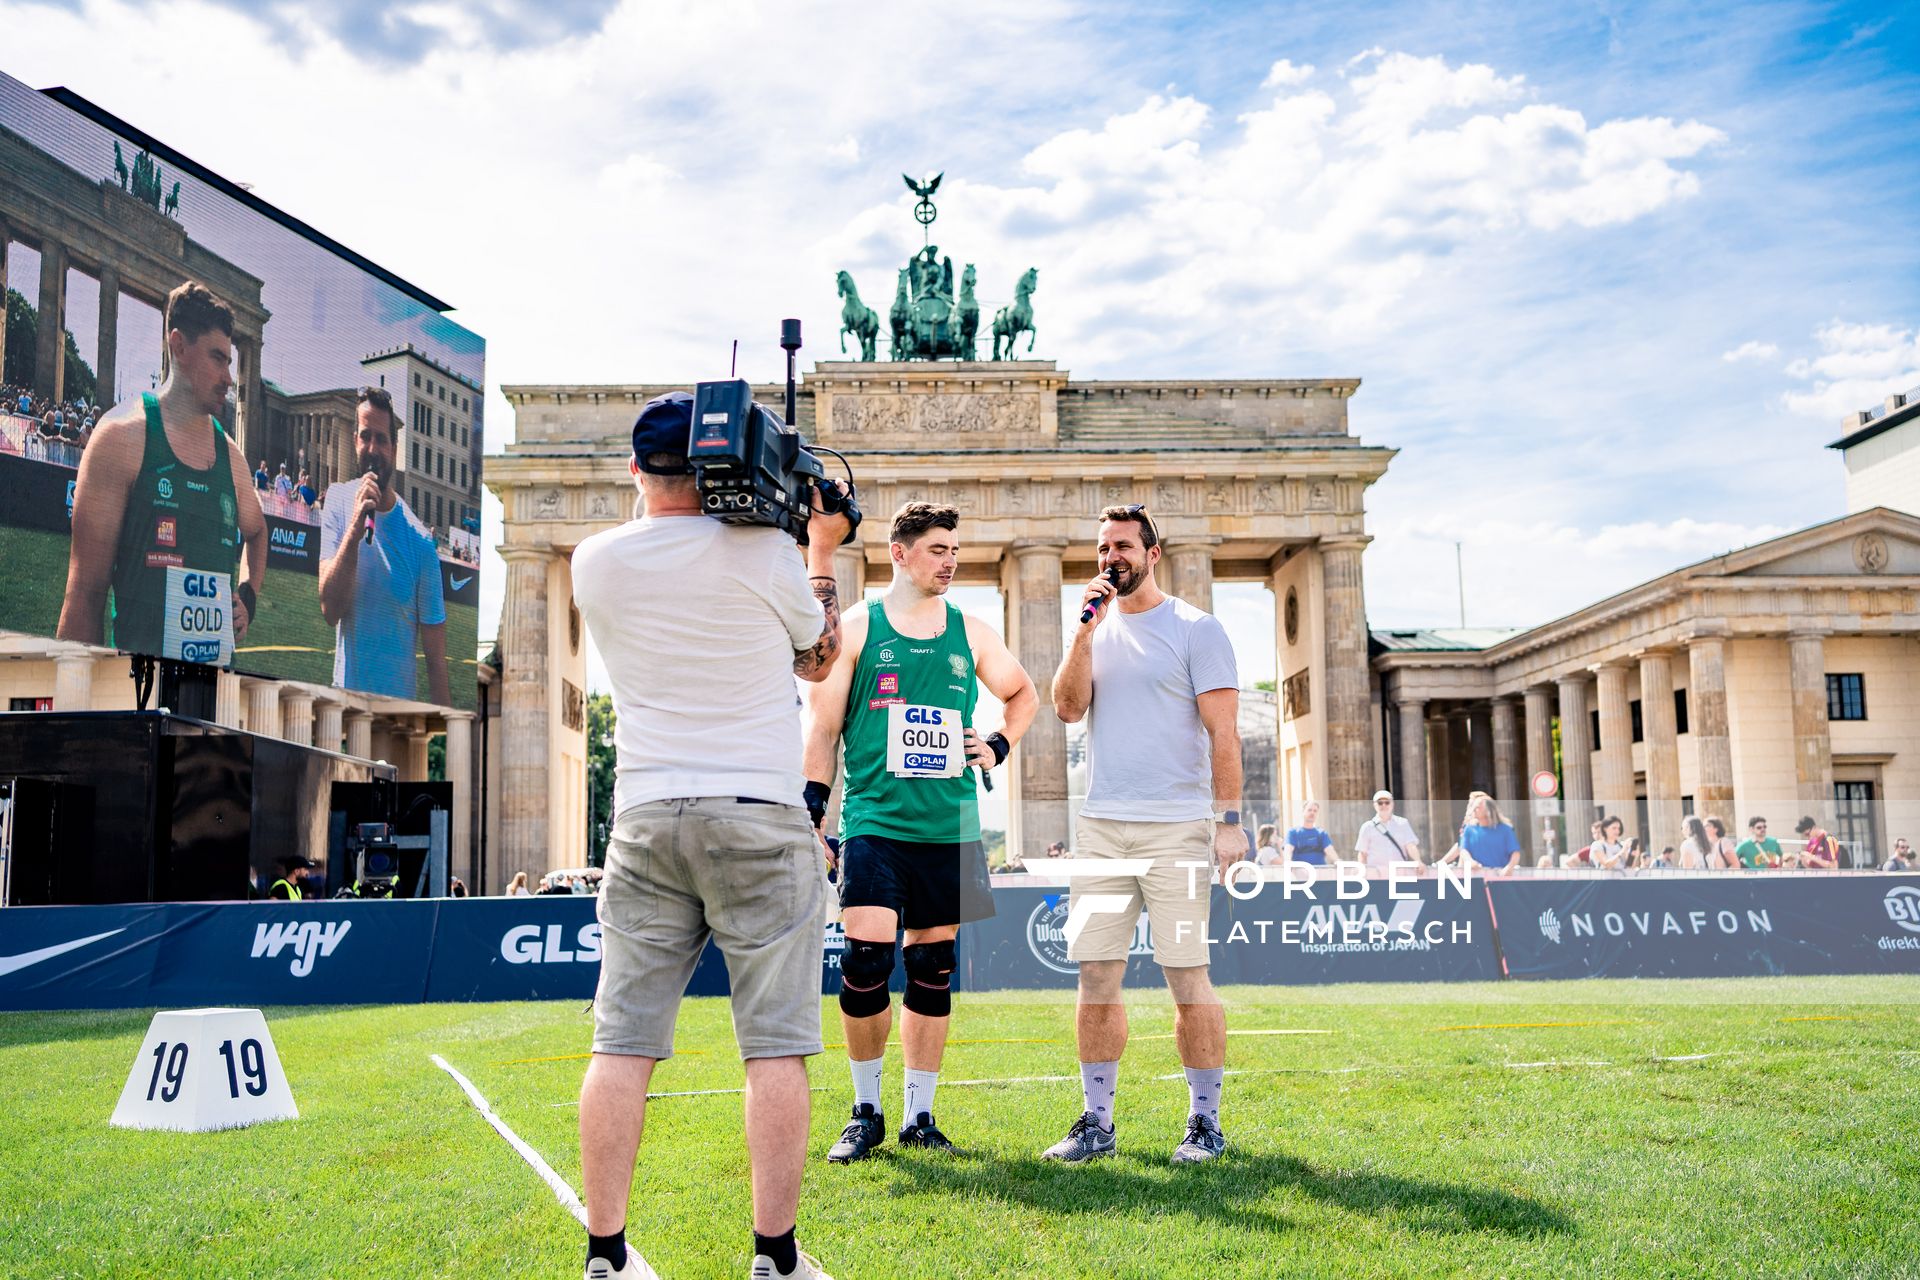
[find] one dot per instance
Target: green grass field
(289, 640)
(1482, 1130)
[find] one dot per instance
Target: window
(30, 704)
(1854, 826)
(1594, 718)
(1639, 723)
(413, 455)
(416, 377)
(1680, 711)
(1846, 697)
(1686, 806)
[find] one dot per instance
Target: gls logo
(310, 940)
(537, 944)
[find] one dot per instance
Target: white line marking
(554, 1181)
(1522, 1066)
(1686, 1057)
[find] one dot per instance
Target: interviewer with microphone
(1155, 679)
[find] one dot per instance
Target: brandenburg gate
(1249, 480)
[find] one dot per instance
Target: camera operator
(703, 626)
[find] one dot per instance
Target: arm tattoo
(824, 650)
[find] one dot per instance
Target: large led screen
(224, 437)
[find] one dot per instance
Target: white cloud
(1284, 73)
(1751, 350)
(1857, 367)
(847, 150)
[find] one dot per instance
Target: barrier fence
(338, 952)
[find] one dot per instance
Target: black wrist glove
(1000, 745)
(818, 793)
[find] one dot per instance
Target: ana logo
(959, 666)
(164, 487)
(886, 655)
(531, 944)
(310, 939)
(1903, 907)
(1550, 926)
(70, 488)
(292, 539)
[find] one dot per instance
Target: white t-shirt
(698, 623)
(1374, 845)
(1148, 752)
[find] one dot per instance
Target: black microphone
(1093, 606)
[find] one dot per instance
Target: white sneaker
(636, 1268)
(809, 1268)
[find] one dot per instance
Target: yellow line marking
(1503, 1026)
(1280, 1031)
(573, 1057)
(895, 1044)
(1834, 1017)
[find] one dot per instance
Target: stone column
(1349, 704)
(1613, 788)
(263, 708)
(416, 767)
(226, 699)
(1037, 807)
(1414, 784)
(327, 724)
(525, 715)
(1460, 779)
(1661, 731)
(359, 735)
(1812, 748)
(460, 774)
(850, 576)
(1539, 735)
(296, 717)
(1190, 570)
(1483, 770)
(49, 362)
(73, 682)
(1707, 725)
(104, 365)
(1435, 804)
(1576, 760)
(1509, 788)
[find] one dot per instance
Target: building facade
(1881, 453)
(1781, 680)
(440, 445)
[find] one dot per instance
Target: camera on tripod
(752, 468)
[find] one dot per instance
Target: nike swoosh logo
(11, 964)
(457, 583)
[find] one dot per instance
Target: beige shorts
(747, 875)
(1174, 892)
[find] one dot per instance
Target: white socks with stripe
(920, 1085)
(866, 1081)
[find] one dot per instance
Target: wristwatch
(1231, 817)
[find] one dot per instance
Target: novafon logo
(1550, 926)
(310, 940)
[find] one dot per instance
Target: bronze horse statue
(969, 314)
(856, 317)
(901, 320)
(1011, 322)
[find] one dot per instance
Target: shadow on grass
(57, 1026)
(1227, 1192)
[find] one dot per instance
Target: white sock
(1099, 1081)
(866, 1081)
(1203, 1092)
(920, 1085)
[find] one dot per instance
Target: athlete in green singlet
(163, 507)
(901, 698)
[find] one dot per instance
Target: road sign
(1545, 786)
(201, 1069)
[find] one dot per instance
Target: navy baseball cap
(664, 426)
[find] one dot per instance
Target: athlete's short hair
(1136, 512)
(911, 522)
(193, 309)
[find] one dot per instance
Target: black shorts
(927, 885)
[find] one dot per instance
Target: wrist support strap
(818, 793)
(1000, 745)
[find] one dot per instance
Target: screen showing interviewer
(225, 438)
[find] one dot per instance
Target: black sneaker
(924, 1133)
(1204, 1141)
(867, 1130)
(1085, 1141)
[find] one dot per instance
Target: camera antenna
(733, 366)
(790, 342)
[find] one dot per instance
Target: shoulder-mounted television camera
(752, 468)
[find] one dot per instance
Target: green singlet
(175, 517)
(933, 673)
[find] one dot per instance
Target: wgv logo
(533, 944)
(310, 940)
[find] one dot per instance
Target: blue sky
(1611, 273)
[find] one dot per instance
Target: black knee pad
(930, 978)
(864, 971)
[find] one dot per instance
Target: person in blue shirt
(1308, 842)
(1486, 839)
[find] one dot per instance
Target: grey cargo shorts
(748, 875)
